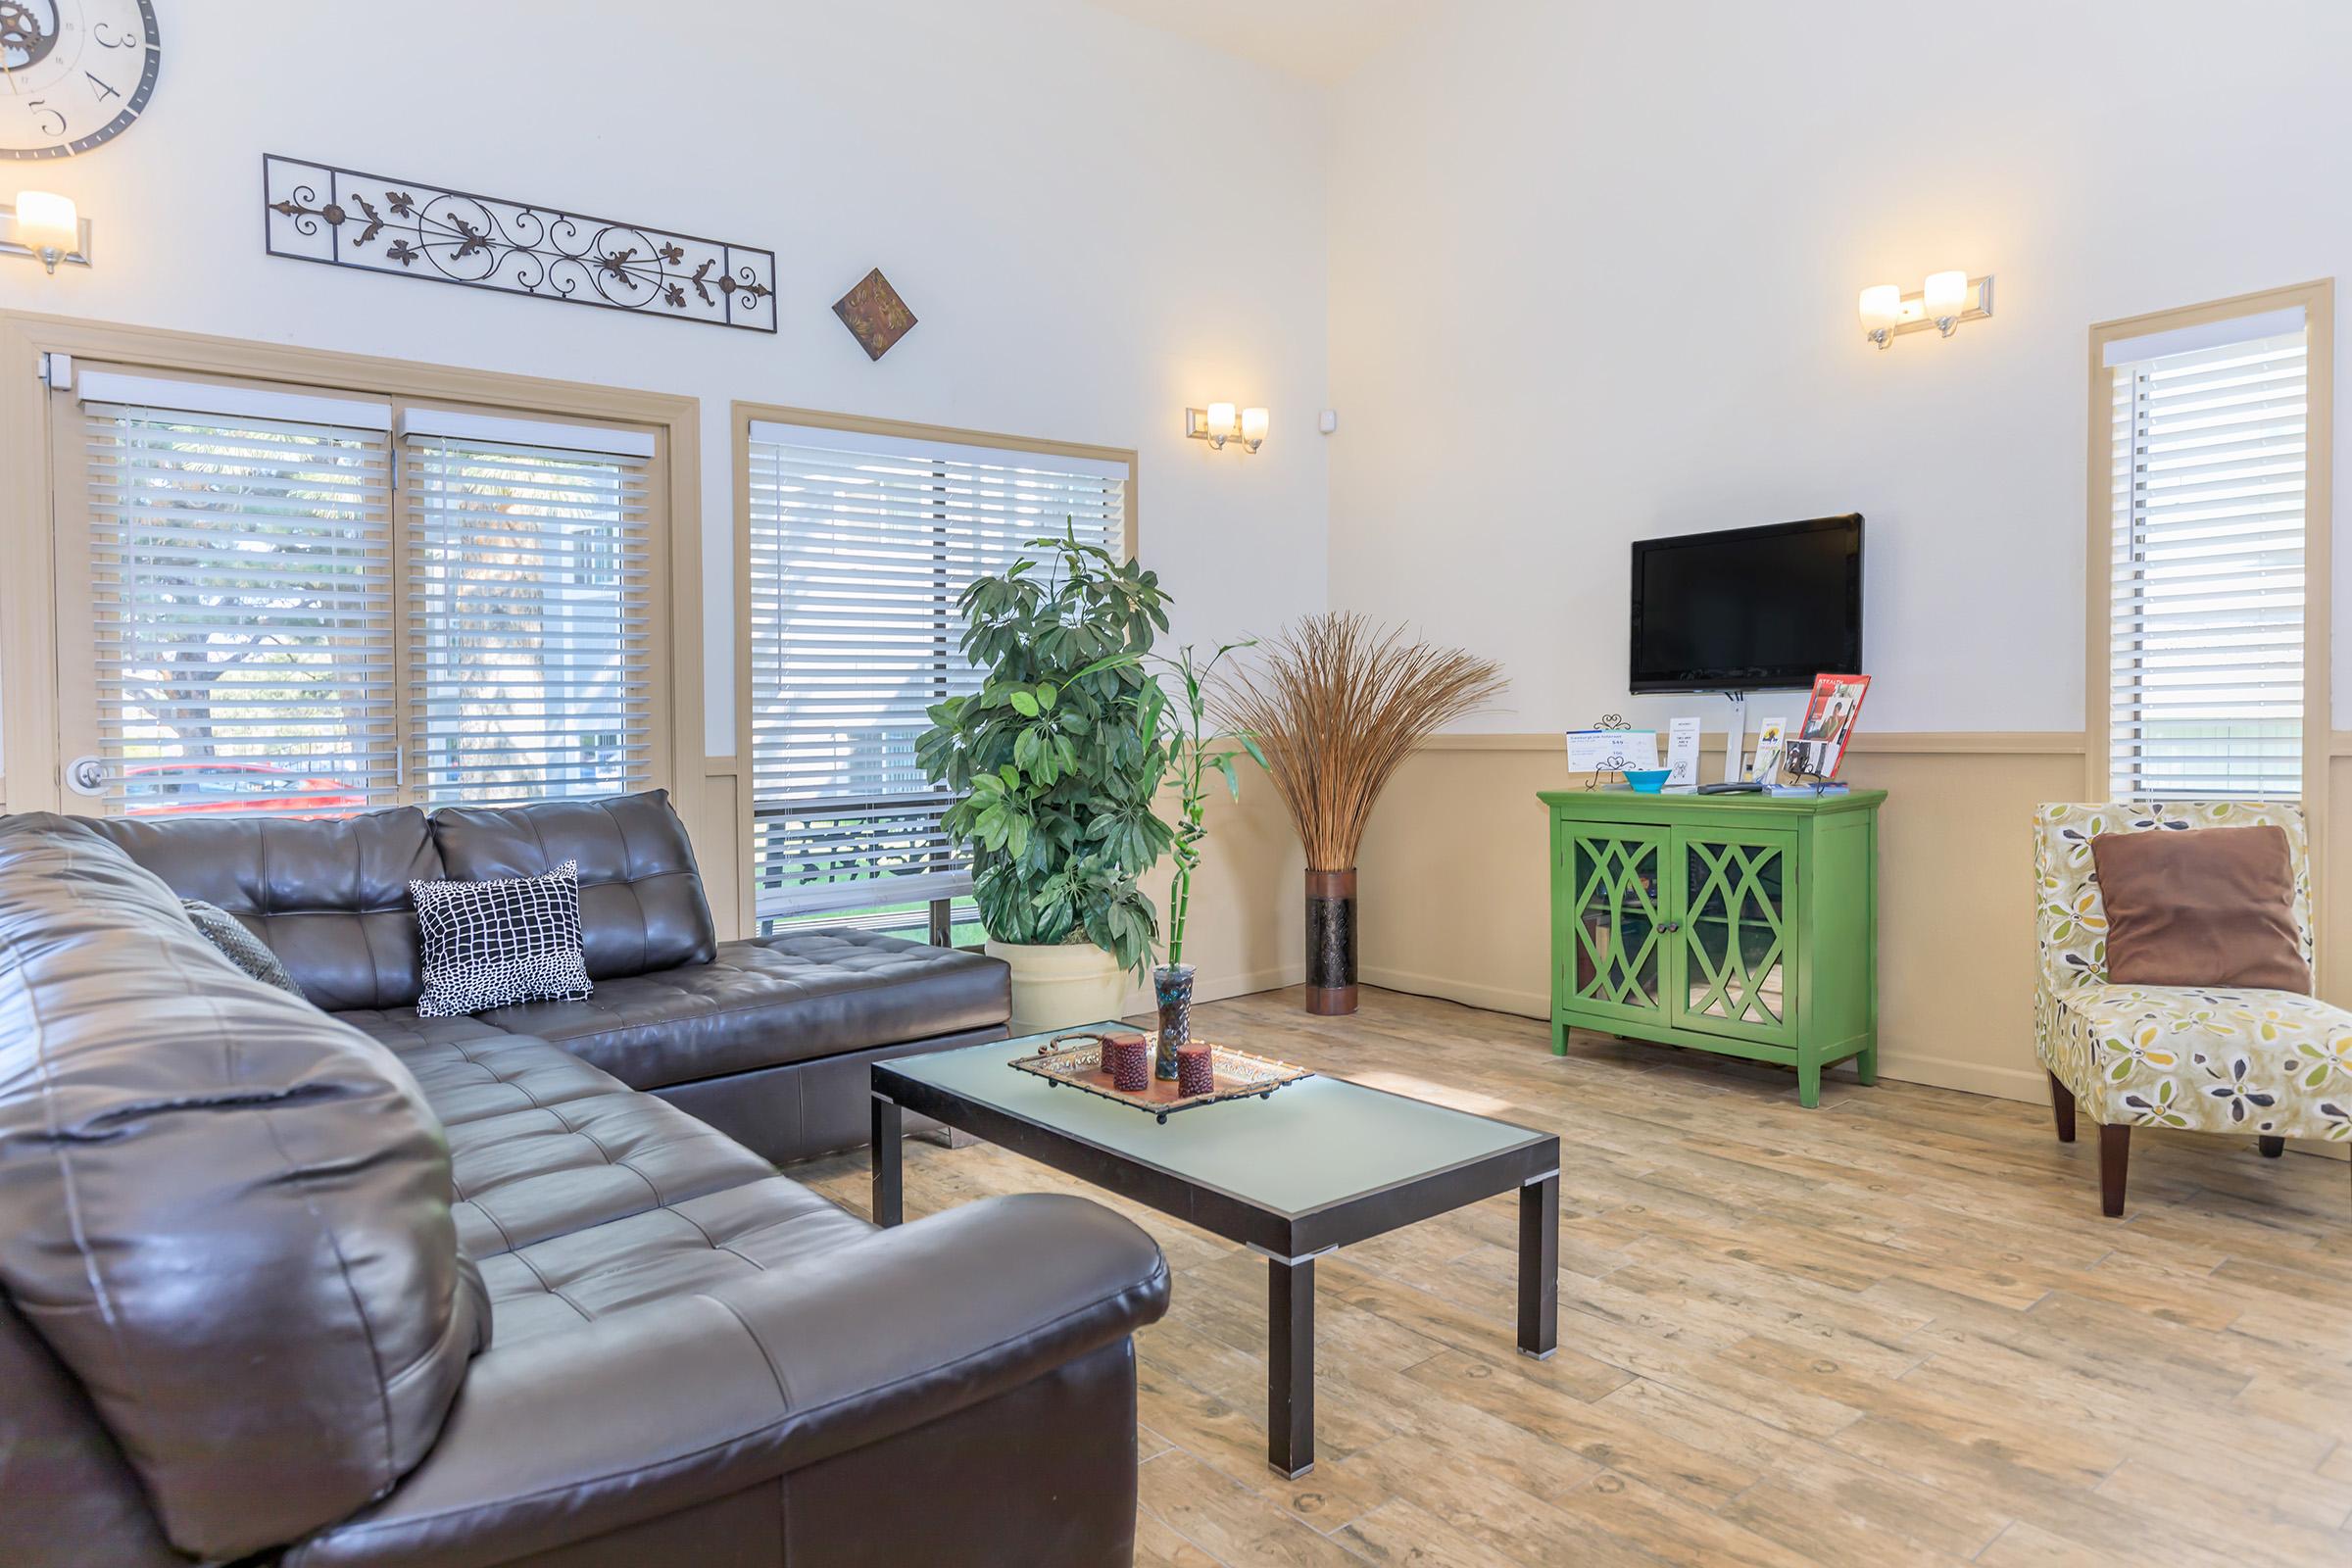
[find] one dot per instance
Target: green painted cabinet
(1743, 924)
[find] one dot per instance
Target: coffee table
(1315, 1166)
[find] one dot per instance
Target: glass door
(1735, 946)
(1615, 916)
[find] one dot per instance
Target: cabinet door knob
(1669, 925)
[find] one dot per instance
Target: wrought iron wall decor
(346, 218)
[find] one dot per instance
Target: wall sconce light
(45, 228)
(1218, 423)
(1947, 300)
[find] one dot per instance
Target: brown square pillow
(2206, 907)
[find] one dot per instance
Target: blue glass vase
(1172, 987)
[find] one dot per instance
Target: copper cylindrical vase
(1331, 941)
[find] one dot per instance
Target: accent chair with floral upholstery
(2276, 1065)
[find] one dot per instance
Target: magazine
(1819, 747)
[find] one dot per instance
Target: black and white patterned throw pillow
(495, 942)
(237, 945)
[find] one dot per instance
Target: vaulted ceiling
(1321, 40)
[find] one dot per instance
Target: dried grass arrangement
(1336, 702)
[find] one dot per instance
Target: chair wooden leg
(2115, 1149)
(2062, 1108)
(2271, 1147)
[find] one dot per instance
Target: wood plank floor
(1893, 1329)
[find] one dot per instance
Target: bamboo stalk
(1337, 704)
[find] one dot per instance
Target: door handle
(86, 775)
(1670, 926)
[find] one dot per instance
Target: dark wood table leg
(1540, 1266)
(890, 1155)
(1290, 1369)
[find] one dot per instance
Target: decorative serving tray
(1076, 1059)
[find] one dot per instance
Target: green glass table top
(1313, 1142)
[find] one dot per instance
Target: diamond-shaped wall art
(874, 314)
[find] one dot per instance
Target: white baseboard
(1938, 1072)
(2030, 1084)
(1494, 999)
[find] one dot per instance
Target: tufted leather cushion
(641, 897)
(226, 1214)
(692, 1243)
(330, 898)
(770, 1001)
(532, 1174)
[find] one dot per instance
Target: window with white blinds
(859, 546)
(239, 564)
(2207, 634)
(528, 575)
(311, 605)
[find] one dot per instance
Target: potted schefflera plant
(1055, 759)
(1193, 753)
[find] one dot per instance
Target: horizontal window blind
(529, 589)
(2207, 575)
(859, 547)
(241, 599)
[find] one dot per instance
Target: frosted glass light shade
(1253, 425)
(46, 221)
(1881, 306)
(1220, 420)
(1948, 294)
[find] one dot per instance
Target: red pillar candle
(1196, 1071)
(1129, 1058)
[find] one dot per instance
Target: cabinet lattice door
(1745, 925)
(1734, 947)
(1615, 893)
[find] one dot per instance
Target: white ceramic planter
(1060, 984)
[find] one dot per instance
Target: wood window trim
(744, 414)
(2318, 302)
(28, 651)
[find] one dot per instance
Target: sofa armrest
(571, 1435)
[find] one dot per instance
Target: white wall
(1593, 268)
(1049, 186)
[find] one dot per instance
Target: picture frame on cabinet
(1765, 766)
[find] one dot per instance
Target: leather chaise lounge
(768, 1039)
(352, 1287)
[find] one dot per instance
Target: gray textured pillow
(237, 945)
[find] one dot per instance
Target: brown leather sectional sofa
(351, 1287)
(768, 1039)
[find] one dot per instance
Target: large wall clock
(72, 73)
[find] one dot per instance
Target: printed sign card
(1611, 751)
(1682, 754)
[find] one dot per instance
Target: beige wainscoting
(1454, 897)
(1247, 928)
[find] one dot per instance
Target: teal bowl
(1648, 780)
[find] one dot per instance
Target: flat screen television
(1748, 609)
